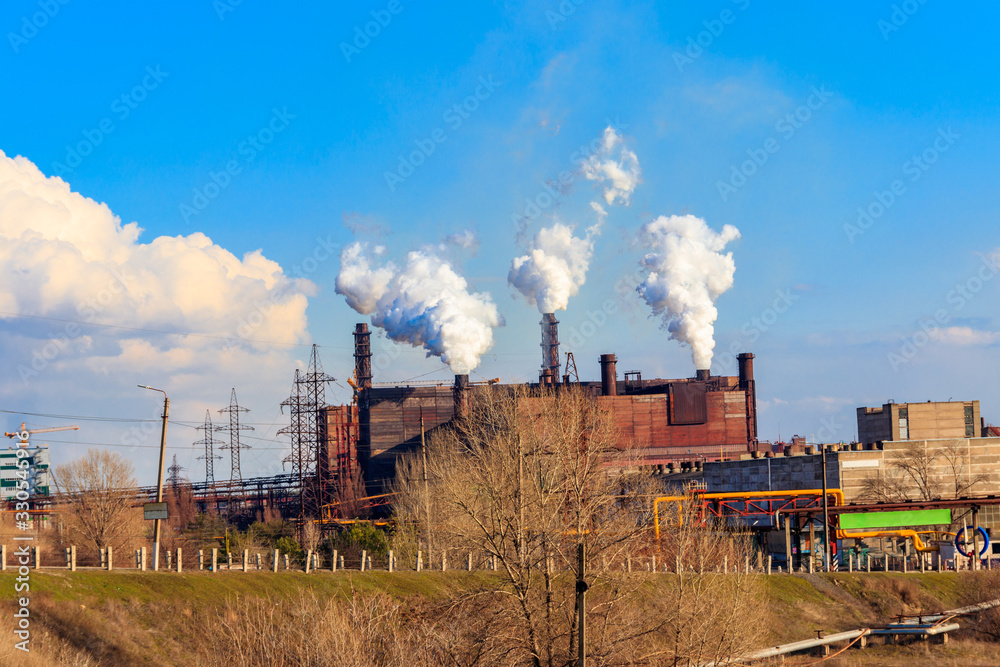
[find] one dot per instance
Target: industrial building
(668, 420)
(919, 421)
(38, 474)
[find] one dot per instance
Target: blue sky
(200, 78)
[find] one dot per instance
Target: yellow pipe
(901, 532)
(836, 493)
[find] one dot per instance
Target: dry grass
(456, 618)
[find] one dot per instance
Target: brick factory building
(669, 420)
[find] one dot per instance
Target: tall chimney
(745, 360)
(363, 356)
(461, 395)
(550, 345)
(748, 385)
(703, 374)
(609, 375)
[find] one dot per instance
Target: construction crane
(23, 433)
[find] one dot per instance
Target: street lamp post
(159, 475)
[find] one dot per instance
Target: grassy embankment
(128, 618)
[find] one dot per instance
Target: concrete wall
(771, 474)
(975, 458)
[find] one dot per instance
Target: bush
(287, 545)
(363, 536)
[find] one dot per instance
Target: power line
(181, 422)
(189, 448)
(161, 331)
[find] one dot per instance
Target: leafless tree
(523, 479)
(98, 492)
(349, 497)
(922, 472)
(959, 464)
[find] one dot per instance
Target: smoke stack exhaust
(550, 346)
(609, 375)
(461, 395)
(703, 374)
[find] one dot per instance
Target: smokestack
(703, 374)
(745, 360)
(748, 385)
(363, 356)
(609, 375)
(461, 395)
(550, 345)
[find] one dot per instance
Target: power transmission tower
(314, 383)
(297, 430)
(234, 445)
(210, 455)
(174, 475)
(308, 434)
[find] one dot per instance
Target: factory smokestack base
(609, 375)
(703, 374)
(549, 373)
(461, 395)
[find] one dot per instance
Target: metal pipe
(849, 635)
(836, 493)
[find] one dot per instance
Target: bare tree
(885, 487)
(960, 463)
(350, 497)
(922, 472)
(521, 480)
(99, 495)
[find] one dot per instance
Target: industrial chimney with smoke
(549, 374)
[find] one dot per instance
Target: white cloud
(67, 256)
(965, 336)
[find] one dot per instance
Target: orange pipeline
(836, 493)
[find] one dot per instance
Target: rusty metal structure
(209, 442)
(704, 417)
(549, 374)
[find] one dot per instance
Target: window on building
(970, 425)
(904, 424)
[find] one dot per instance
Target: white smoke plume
(620, 174)
(424, 303)
(687, 273)
(361, 285)
(555, 267)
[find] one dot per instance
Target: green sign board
(895, 519)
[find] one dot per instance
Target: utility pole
(581, 603)
(159, 475)
(826, 514)
(427, 493)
